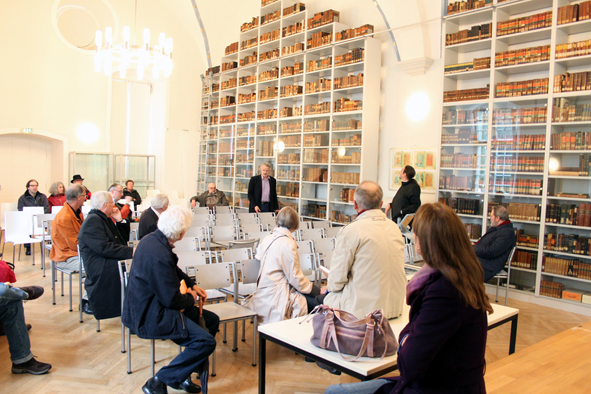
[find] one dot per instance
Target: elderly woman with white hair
(282, 286)
(154, 307)
(101, 246)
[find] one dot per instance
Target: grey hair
(74, 191)
(159, 201)
(501, 212)
(54, 187)
(266, 164)
(99, 199)
(174, 222)
(114, 186)
(368, 195)
(288, 218)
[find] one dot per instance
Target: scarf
(418, 281)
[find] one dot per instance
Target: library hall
(284, 197)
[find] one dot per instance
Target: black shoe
(32, 366)
(309, 360)
(189, 386)
(333, 371)
(34, 292)
(27, 252)
(154, 386)
(86, 307)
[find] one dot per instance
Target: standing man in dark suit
(494, 247)
(262, 192)
(149, 218)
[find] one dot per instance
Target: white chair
(197, 232)
(257, 235)
(201, 220)
(308, 265)
(324, 249)
(44, 223)
(267, 218)
(221, 235)
(56, 208)
(16, 231)
(244, 220)
(7, 207)
(142, 207)
(172, 195)
(201, 211)
(251, 244)
(247, 273)
(331, 232)
(225, 220)
(233, 255)
(225, 209)
(317, 233)
(251, 228)
(245, 215)
(213, 276)
(305, 246)
(81, 276)
(85, 210)
(187, 244)
(320, 224)
(506, 275)
(133, 231)
(192, 258)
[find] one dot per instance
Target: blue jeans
(199, 345)
(12, 316)
(368, 387)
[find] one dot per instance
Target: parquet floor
(88, 361)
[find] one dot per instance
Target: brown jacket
(64, 233)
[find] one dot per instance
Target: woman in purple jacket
(442, 347)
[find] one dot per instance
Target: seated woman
(442, 347)
(57, 194)
(281, 284)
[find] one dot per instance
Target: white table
(295, 335)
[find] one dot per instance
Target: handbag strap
(263, 255)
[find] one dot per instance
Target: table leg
(513, 335)
(262, 363)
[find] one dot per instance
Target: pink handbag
(341, 331)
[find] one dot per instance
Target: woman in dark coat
(442, 347)
(101, 247)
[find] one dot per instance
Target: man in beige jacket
(367, 266)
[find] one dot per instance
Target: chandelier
(109, 57)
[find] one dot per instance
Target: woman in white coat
(281, 284)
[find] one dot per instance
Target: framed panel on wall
(423, 161)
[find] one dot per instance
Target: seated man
(64, 233)
(77, 179)
(101, 247)
(129, 191)
(154, 307)
(149, 218)
(212, 197)
(33, 198)
(367, 266)
(494, 247)
(13, 319)
(123, 226)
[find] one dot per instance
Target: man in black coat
(154, 307)
(129, 191)
(149, 218)
(262, 192)
(33, 198)
(408, 197)
(101, 247)
(494, 247)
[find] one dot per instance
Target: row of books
(345, 104)
(269, 75)
(228, 66)
(291, 90)
(348, 178)
(225, 172)
(247, 98)
(522, 56)
(319, 39)
(291, 127)
(466, 94)
(312, 126)
(526, 240)
(571, 140)
(353, 158)
(507, 185)
(518, 164)
(269, 55)
(269, 36)
(551, 289)
(315, 174)
(320, 108)
(522, 88)
(352, 56)
(283, 174)
(293, 9)
(567, 267)
(461, 116)
(348, 81)
(228, 119)
(232, 48)
(520, 142)
(266, 129)
(270, 92)
(581, 170)
(247, 116)
(519, 210)
(293, 29)
(464, 136)
(341, 217)
(564, 111)
(287, 112)
(461, 6)
(459, 160)
(291, 49)
(474, 230)
(572, 82)
(347, 194)
(225, 160)
(270, 17)
(520, 115)
(320, 85)
(316, 140)
(244, 158)
(568, 243)
(288, 190)
(354, 32)
(349, 124)
(297, 68)
(315, 156)
(229, 84)
(475, 64)
(248, 60)
(569, 214)
(525, 259)
(354, 140)
(474, 33)
(265, 3)
(461, 183)
(225, 147)
(249, 43)
(266, 148)
(241, 187)
(573, 49)
(466, 206)
(320, 64)
(247, 80)
(323, 18)
(574, 13)
(314, 210)
(247, 26)
(291, 141)
(526, 23)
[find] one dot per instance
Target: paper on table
(324, 269)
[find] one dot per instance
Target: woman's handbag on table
(342, 332)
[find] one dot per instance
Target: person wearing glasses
(33, 198)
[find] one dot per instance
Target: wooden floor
(90, 361)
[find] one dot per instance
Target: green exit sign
(27, 130)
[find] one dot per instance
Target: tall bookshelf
(300, 109)
(499, 148)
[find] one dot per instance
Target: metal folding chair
(506, 275)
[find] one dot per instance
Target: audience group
(441, 347)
